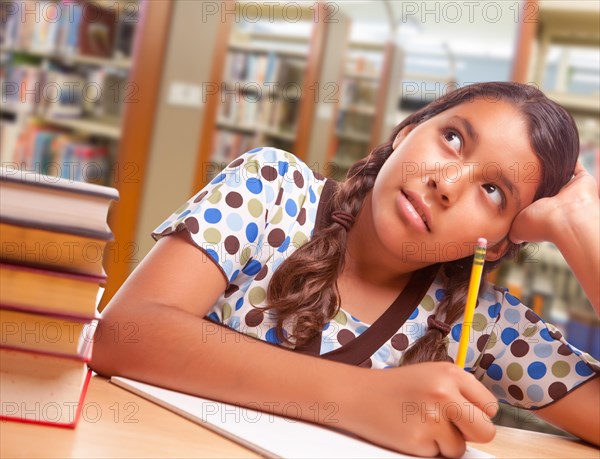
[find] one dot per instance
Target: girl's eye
(454, 139)
(497, 196)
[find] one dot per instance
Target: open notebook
(265, 433)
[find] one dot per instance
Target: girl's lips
(410, 214)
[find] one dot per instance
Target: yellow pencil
(476, 270)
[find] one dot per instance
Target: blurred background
(154, 97)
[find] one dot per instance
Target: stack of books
(53, 233)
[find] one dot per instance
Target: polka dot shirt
(263, 206)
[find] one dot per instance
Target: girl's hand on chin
(546, 218)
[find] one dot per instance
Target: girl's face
(469, 171)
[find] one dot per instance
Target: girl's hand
(424, 409)
(545, 219)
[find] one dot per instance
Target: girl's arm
(164, 301)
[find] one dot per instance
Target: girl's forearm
(172, 348)
(579, 243)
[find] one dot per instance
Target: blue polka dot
(239, 303)
(252, 268)
(269, 194)
(498, 390)
(234, 322)
(214, 255)
(251, 232)
(495, 372)
(271, 336)
(512, 300)
(513, 316)
(327, 345)
(254, 185)
(535, 393)
(162, 227)
(326, 326)
(361, 329)
(583, 369)
(212, 215)
(470, 354)
(214, 317)
(439, 294)
(542, 350)
(284, 245)
(574, 350)
(184, 214)
(414, 314)
(354, 318)
(536, 370)
(234, 275)
(283, 167)
(509, 335)
(456, 332)
(291, 208)
(494, 310)
(544, 333)
(383, 353)
(311, 195)
(254, 150)
(218, 178)
(227, 265)
(235, 222)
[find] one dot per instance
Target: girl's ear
(402, 134)
(498, 250)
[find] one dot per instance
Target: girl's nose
(442, 190)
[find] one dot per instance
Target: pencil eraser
(482, 242)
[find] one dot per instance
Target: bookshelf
(273, 88)
(116, 119)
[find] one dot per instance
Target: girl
(272, 264)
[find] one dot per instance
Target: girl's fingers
(476, 393)
(474, 424)
(450, 441)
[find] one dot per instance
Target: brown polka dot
(231, 290)
(482, 341)
(486, 361)
(192, 224)
(254, 317)
(366, 364)
(180, 226)
(298, 179)
(200, 197)
(301, 216)
(318, 176)
(515, 392)
(532, 316)
(519, 348)
(269, 173)
(279, 197)
(234, 199)
(345, 336)
(557, 390)
(555, 334)
(167, 230)
(563, 349)
(232, 244)
(266, 215)
(276, 237)
(236, 163)
(262, 273)
(400, 341)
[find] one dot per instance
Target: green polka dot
(226, 311)
(277, 217)
(560, 369)
(479, 322)
(341, 318)
(181, 208)
(428, 304)
(256, 296)
(212, 236)
(252, 166)
(492, 340)
(299, 239)
(255, 208)
(530, 331)
(252, 335)
(215, 197)
(301, 200)
(514, 371)
(320, 189)
(245, 256)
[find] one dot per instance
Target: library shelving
(275, 88)
(79, 82)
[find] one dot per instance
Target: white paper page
(266, 433)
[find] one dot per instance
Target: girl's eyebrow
(471, 132)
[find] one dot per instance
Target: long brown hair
(304, 291)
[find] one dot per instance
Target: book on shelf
(45, 333)
(42, 199)
(97, 31)
(41, 388)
